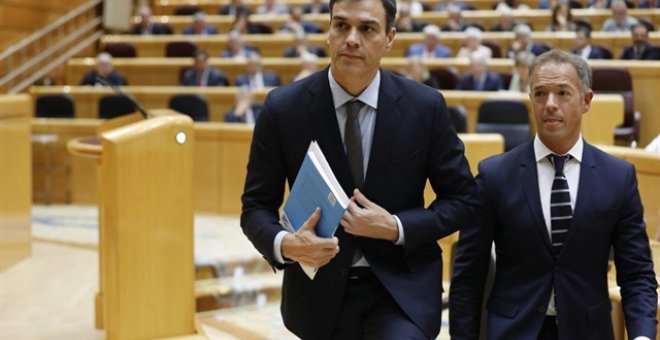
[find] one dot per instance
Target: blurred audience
(297, 23)
(641, 49)
(523, 42)
(201, 74)
(146, 25)
(302, 47)
(236, 48)
(246, 110)
(272, 7)
(473, 44)
(405, 22)
(414, 7)
(243, 24)
(583, 46)
(431, 47)
(255, 77)
(478, 78)
(562, 19)
(199, 26)
(444, 5)
(455, 22)
(309, 63)
(513, 4)
(234, 7)
(520, 75)
(103, 69)
(416, 70)
(620, 20)
(506, 22)
(317, 7)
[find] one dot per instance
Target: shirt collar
(369, 96)
(541, 151)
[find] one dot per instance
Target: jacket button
(541, 309)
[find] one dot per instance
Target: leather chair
(112, 106)
(448, 77)
(494, 46)
(187, 10)
(618, 81)
(607, 52)
(506, 117)
(120, 49)
(55, 106)
(180, 49)
(458, 117)
(193, 105)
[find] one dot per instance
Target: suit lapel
(531, 186)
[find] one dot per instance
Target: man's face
(104, 68)
(619, 13)
(581, 40)
(557, 105)
(357, 39)
(640, 36)
(200, 62)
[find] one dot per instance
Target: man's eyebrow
(371, 22)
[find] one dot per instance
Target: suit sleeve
(632, 256)
(264, 185)
(471, 266)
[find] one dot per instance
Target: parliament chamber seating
(55, 106)
(506, 117)
(194, 105)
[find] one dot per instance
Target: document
(315, 186)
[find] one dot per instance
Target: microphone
(104, 81)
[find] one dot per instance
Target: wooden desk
(273, 45)
(538, 19)
(15, 179)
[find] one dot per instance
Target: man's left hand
(368, 219)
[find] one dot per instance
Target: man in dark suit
(380, 275)
(199, 26)
(641, 49)
(255, 77)
(554, 208)
(246, 110)
(431, 47)
(478, 78)
(235, 7)
(523, 42)
(146, 25)
(583, 46)
(201, 74)
(105, 70)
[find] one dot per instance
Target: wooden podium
(145, 225)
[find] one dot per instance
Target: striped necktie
(561, 212)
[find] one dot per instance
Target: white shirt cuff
(641, 338)
(277, 247)
(402, 239)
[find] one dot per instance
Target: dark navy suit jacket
(114, 78)
(215, 77)
(270, 80)
(650, 52)
(413, 141)
(493, 82)
(595, 53)
(608, 213)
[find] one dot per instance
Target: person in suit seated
(272, 7)
(641, 49)
(505, 22)
(520, 75)
(256, 78)
(473, 44)
(385, 137)
(199, 26)
(234, 7)
(405, 21)
(431, 47)
(246, 110)
(316, 7)
(297, 23)
(236, 48)
(620, 20)
(244, 25)
(583, 46)
(444, 5)
(309, 64)
(523, 42)
(455, 23)
(146, 25)
(302, 46)
(201, 74)
(103, 69)
(554, 208)
(478, 78)
(417, 71)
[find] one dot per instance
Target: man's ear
(390, 38)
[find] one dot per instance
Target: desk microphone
(121, 93)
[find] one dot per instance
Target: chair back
(607, 52)
(448, 77)
(616, 80)
(55, 106)
(112, 106)
(506, 117)
(180, 49)
(193, 105)
(187, 10)
(120, 49)
(494, 46)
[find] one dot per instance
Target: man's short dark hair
(390, 12)
(200, 52)
(585, 30)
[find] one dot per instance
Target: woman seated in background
(417, 71)
(473, 44)
(520, 74)
(562, 19)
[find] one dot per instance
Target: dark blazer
(215, 77)
(536, 49)
(441, 51)
(207, 30)
(493, 82)
(413, 140)
(650, 52)
(231, 117)
(270, 79)
(292, 52)
(227, 52)
(231, 10)
(608, 213)
(595, 53)
(114, 78)
(154, 28)
(324, 8)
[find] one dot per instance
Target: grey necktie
(561, 212)
(353, 141)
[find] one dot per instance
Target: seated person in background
(641, 49)
(147, 26)
(243, 25)
(414, 7)
(599, 4)
(236, 48)
(317, 7)
(478, 78)
(105, 70)
(309, 63)
(620, 20)
(513, 4)
(245, 111)
(201, 74)
(523, 42)
(431, 47)
(506, 21)
(199, 26)
(417, 71)
(520, 75)
(654, 146)
(296, 23)
(455, 23)
(583, 46)
(562, 19)
(302, 46)
(444, 4)
(234, 7)
(405, 22)
(472, 44)
(256, 78)
(272, 7)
